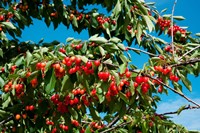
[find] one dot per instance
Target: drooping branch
(113, 121)
(195, 48)
(143, 51)
(172, 24)
(186, 108)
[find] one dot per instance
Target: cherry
(128, 74)
(97, 63)
(139, 79)
(89, 64)
(160, 89)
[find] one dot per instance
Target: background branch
(143, 51)
(186, 108)
(189, 52)
(172, 26)
(6, 120)
(191, 61)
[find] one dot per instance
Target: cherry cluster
(101, 20)
(176, 29)
(95, 125)
(77, 46)
(163, 23)
(143, 81)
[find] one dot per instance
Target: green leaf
(69, 39)
(19, 61)
(94, 114)
(83, 58)
(121, 46)
(181, 109)
(115, 40)
(178, 17)
(1, 82)
(122, 68)
(102, 51)
(97, 39)
(149, 23)
(66, 83)
(9, 25)
(123, 97)
(29, 57)
(73, 113)
(6, 103)
(186, 82)
(74, 22)
(197, 34)
(164, 10)
(139, 33)
(1, 52)
(117, 9)
(88, 130)
(50, 81)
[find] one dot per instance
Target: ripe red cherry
(97, 63)
(160, 89)
(128, 74)
(139, 79)
(89, 64)
(31, 107)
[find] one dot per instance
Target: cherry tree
(94, 85)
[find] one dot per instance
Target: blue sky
(189, 9)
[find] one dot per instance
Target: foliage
(94, 85)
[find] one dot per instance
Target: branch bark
(6, 120)
(186, 108)
(172, 26)
(118, 126)
(143, 51)
(191, 61)
(195, 48)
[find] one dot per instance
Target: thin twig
(113, 121)
(191, 61)
(172, 26)
(145, 52)
(186, 108)
(118, 126)
(189, 52)
(6, 120)
(172, 89)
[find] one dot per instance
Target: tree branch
(186, 108)
(191, 61)
(172, 26)
(113, 122)
(118, 126)
(143, 51)
(172, 89)
(188, 52)
(6, 120)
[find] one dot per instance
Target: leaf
(69, 39)
(178, 17)
(139, 33)
(115, 40)
(117, 9)
(122, 68)
(149, 23)
(66, 83)
(181, 109)
(197, 34)
(97, 39)
(1, 82)
(6, 103)
(19, 61)
(74, 22)
(50, 81)
(186, 82)
(164, 10)
(121, 46)
(29, 57)
(102, 51)
(1, 52)
(88, 130)
(94, 114)
(83, 58)
(9, 25)
(123, 97)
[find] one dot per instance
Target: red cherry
(128, 74)
(176, 78)
(31, 107)
(89, 64)
(97, 63)
(160, 89)
(139, 79)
